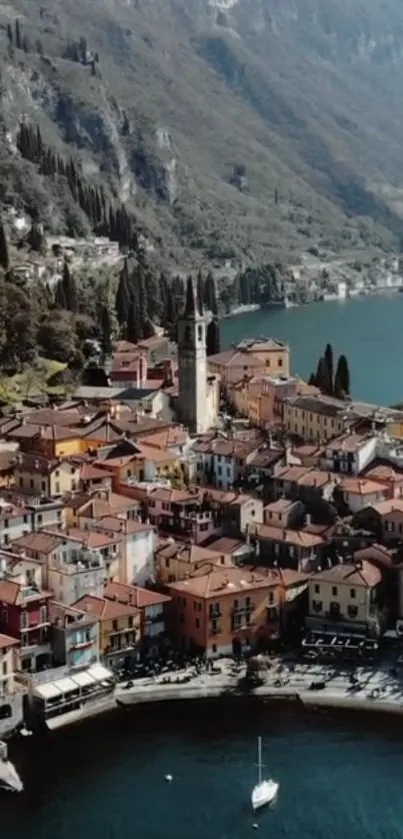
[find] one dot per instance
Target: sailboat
(264, 791)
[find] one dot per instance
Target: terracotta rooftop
(31, 462)
(38, 542)
(104, 609)
(91, 538)
(362, 486)
(377, 554)
(298, 538)
(391, 505)
(53, 416)
(16, 594)
(231, 581)
(348, 442)
(69, 615)
(280, 506)
(136, 596)
(362, 574)
(94, 473)
(6, 641)
(122, 525)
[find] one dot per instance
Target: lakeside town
(319, 275)
(202, 521)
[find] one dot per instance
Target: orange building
(227, 610)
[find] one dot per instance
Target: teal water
(341, 778)
(368, 330)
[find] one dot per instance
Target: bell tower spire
(192, 362)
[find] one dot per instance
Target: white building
(137, 564)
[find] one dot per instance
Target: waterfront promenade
(373, 688)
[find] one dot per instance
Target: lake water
(341, 778)
(368, 330)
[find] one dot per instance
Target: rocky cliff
(243, 130)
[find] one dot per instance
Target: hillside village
(194, 507)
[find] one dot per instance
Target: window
(39, 519)
(25, 519)
(317, 605)
(5, 668)
(214, 648)
(200, 333)
(24, 639)
(352, 611)
(57, 488)
(271, 597)
(317, 588)
(24, 620)
(114, 626)
(334, 591)
(31, 483)
(197, 623)
(352, 593)
(280, 362)
(167, 563)
(43, 614)
(131, 621)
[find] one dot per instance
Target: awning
(83, 679)
(47, 691)
(66, 685)
(100, 673)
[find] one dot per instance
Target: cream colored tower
(192, 401)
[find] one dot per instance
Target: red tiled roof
(6, 641)
(139, 597)
(104, 609)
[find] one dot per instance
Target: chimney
(308, 520)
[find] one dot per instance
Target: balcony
(215, 615)
(242, 610)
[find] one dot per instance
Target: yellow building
(119, 625)
(9, 664)
(316, 418)
(251, 358)
(345, 595)
(48, 476)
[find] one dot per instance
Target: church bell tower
(192, 363)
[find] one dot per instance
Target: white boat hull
(264, 793)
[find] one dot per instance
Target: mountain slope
(245, 129)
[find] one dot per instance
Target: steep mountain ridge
(232, 129)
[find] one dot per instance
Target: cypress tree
(210, 294)
(69, 289)
(321, 379)
(329, 368)
(17, 34)
(213, 337)
(342, 378)
(4, 256)
(60, 297)
(106, 331)
(200, 291)
(133, 331)
(10, 33)
(123, 296)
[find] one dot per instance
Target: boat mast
(259, 741)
